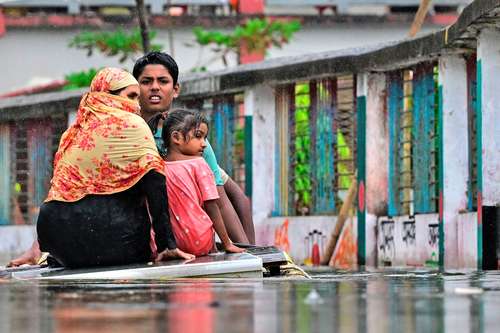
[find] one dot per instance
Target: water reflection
(347, 303)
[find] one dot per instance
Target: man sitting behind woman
(157, 73)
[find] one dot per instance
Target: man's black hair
(157, 58)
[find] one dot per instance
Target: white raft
(214, 265)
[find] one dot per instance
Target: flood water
(330, 302)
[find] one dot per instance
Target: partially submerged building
(415, 123)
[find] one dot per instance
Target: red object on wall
(281, 236)
(2, 23)
(248, 57)
(315, 254)
(251, 6)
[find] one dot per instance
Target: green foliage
(302, 170)
(257, 35)
(115, 43)
(344, 154)
(80, 79)
(302, 167)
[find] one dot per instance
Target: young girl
(191, 187)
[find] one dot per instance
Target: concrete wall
(405, 241)
(297, 229)
(377, 154)
(14, 240)
(260, 103)
(488, 53)
(453, 84)
(467, 240)
(377, 145)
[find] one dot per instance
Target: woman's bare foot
(30, 257)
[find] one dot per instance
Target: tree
(143, 24)
(117, 43)
(256, 35)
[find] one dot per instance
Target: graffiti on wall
(433, 240)
(433, 235)
(409, 233)
(281, 237)
(387, 246)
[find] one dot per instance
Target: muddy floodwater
(396, 301)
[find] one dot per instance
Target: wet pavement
(397, 301)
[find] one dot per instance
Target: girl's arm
(209, 156)
(154, 186)
(214, 213)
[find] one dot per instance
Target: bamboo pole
(423, 8)
(342, 217)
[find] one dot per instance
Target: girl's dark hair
(181, 120)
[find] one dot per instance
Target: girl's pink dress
(189, 184)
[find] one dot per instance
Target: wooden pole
(418, 21)
(143, 24)
(342, 217)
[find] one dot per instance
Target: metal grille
(34, 143)
(222, 131)
(316, 145)
(345, 128)
(5, 176)
(300, 145)
(433, 103)
(20, 209)
(413, 126)
(240, 137)
(39, 145)
(323, 104)
(472, 131)
(405, 142)
(425, 138)
(284, 106)
(395, 97)
(227, 127)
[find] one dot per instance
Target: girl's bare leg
(230, 217)
(243, 207)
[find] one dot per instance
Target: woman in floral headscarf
(107, 175)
